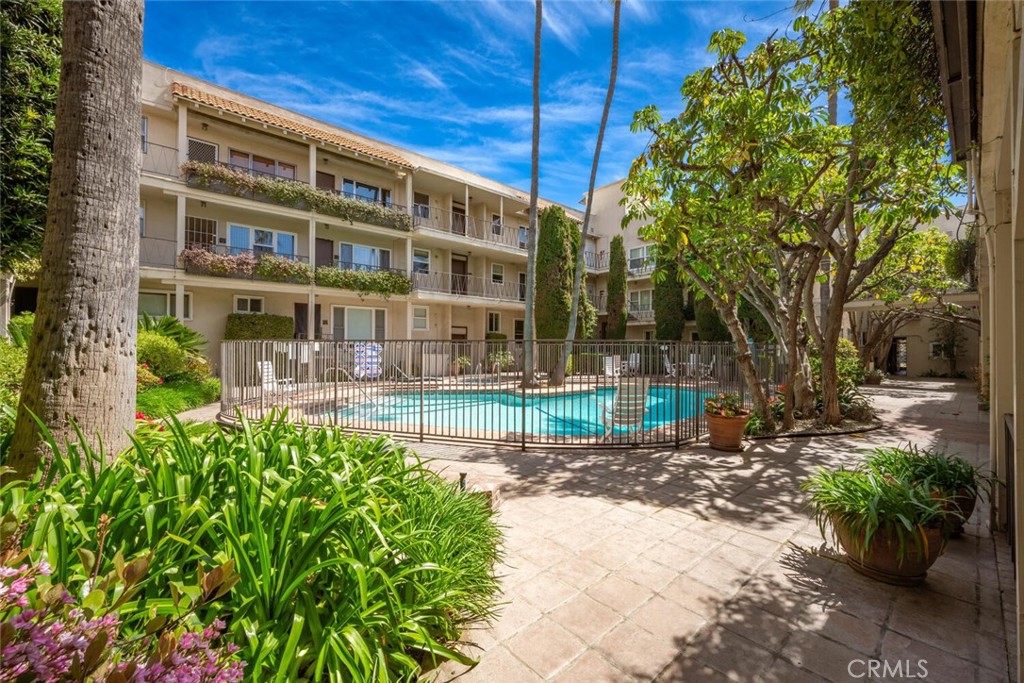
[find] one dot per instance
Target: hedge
(616, 328)
(259, 326)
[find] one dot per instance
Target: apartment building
(250, 208)
(606, 223)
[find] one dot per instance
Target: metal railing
(466, 285)
(595, 261)
(160, 160)
(616, 394)
(351, 265)
(429, 218)
(640, 313)
(157, 252)
(245, 264)
(387, 203)
(639, 267)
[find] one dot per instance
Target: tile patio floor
(694, 565)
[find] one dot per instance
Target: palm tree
(531, 243)
(81, 360)
(558, 377)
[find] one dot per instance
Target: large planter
(874, 380)
(882, 558)
(726, 433)
(960, 506)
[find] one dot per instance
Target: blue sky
(452, 79)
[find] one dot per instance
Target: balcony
(639, 267)
(155, 252)
(160, 159)
(466, 285)
(238, 181)
(245, 264)
(463, 226)
(595, 261)
(640, 313)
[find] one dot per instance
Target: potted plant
(950, 478)
(874, 377)
(460, 364)
(726, 419)
(891, 528)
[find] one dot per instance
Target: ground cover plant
(354, 561)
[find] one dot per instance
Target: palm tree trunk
(81, 361)
(529, 363)
(558, 377)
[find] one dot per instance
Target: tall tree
(577, 285)
(670, 301)
(29, 71)
(616, 324)
(529, 337)
(81, 363)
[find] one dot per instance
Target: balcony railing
(385, 203)
(640, 313)
(155, 252)
(494, 232)
(596, 261)
(246, 264)
(366, 268)
(465, 285)
(638, 267)
(239, 181)
(160, 160)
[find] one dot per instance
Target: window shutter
(199, 150)
(379, 331)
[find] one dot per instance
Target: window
(360, 257)
(159, 304)
(518, 329)
(421, 261)
(640, 300)
(358, 323)
(261, 165)
(495, 224)
(648, 335)
(421, 205)
(639, 257)
(368, 193)
(522, 286)
(248, 304)
(936, 350)
(144, 130)
(694, 336)
(493, 321)
(200, 232)
(242, 238)
(419, 317)
(497, 273)
(524, 236)
(202, 151)
(142, 219)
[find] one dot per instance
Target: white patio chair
(272, 386)
(627, 409)
(633, 364)
(612, 366)
(707, 370)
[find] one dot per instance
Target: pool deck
(694, 565)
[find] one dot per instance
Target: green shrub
(163, 356)
(617, 316)
(176, 396)
(849, 374)
(145, 379)
(363, 282)
(503, 358)
(20, 328)
(12, 369)
(355, 562)
(190, 341)
(259, 326)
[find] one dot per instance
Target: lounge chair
(272, 386)
(612, 366)
(707, 370)
(627, 409)
(670, 367)
(633, 364)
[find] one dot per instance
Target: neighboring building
(606, 222)
(982, 76)
(459, 237)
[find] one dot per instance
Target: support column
(179, 301)
(311, 317)
(182, 133)
(312, 164)
(1001, 296)
(179, 223)
(410, 197)
(408, 319)
(408, 256)
(312, 321)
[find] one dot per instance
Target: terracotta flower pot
(873, 379)
(881, 558)
(726, 433)
(961, 507)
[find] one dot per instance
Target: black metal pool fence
(616, 393)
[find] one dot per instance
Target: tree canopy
(616, 324)
(557, 244)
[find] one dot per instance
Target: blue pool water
(463, 413)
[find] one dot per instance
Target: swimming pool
(467, 413)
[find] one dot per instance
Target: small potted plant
(726, 419)
(874, 377)
(891, 528)
(950, 478)
(460, 364)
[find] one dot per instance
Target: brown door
(302, 318)
(460, 268)
(324, 252)
(325, 181)
(458, 219)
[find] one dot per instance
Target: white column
(312, 321)
(501, 210)
(408, 319)
(409, 196)
(182, 133)
(179, 223)
(408, 256)
(179, 301)
(312, 242)
(312, 164)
